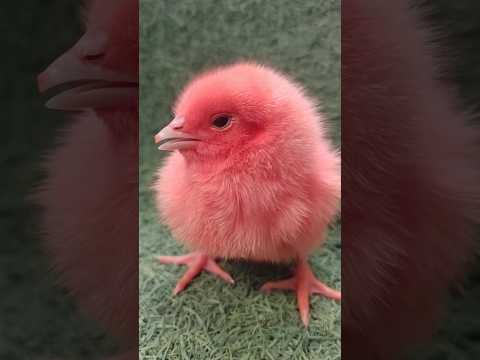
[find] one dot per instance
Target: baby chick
(252, 176)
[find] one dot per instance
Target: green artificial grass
(211, 319)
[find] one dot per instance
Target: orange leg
(196, 263)
(304, 283)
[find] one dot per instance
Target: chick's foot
(196, 263)
(304, 283)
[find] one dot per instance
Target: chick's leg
(196, 263)
(304, 283)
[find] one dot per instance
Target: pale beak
(84, 84)
(171, 137)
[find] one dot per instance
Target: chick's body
(265, 192)
(271, 208)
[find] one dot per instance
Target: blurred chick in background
(252, 176)
(410, 181)
(90, 202)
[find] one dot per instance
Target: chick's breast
(273, 207)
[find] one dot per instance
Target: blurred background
(38, 318)
(456, 25)
(212, 320)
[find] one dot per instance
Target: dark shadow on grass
(255, 274)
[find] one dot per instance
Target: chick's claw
(320, 288)
(304, 283)
(196, 262)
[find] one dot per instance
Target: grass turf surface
(211, 319)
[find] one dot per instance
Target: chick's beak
(171, 137)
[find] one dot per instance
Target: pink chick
(252, 176)
(89, 197)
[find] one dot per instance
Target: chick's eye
(221, 122)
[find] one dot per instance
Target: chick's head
(236, 109)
